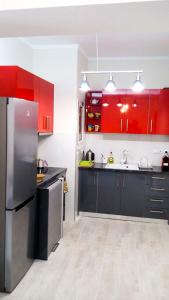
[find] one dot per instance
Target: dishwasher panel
(50, 211)
(54, 214)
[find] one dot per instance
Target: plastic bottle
(165, 161)
(110, 159)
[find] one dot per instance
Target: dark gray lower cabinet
(108, 193)
(87, 190)
(133, 194)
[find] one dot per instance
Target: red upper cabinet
(112, 116)
(159, 112)
(46, 107)
(137, 112)
(8, 79)
(19, 83)
(24, 84)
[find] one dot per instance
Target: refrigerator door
(3, 108)
(19, 243)
(22, 139)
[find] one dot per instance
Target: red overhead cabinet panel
(19, 83)
(159, 112)
(113, 117)
(137, 113)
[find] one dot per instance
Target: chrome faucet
(124, 157)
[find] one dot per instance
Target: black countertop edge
(51, 175)
(100, 166)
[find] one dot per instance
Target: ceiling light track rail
(112, 72)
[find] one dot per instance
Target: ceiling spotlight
(110, 85)
(138, 85)
(105, 104)
(84, 87)
(119, 104)
(134, 104)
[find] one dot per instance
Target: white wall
(155, 72)
(80, 142)
(59, 65)
(14, 52)
(156, 75)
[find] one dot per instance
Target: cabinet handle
(94, 180)
(155, 189)
(123, 181)
(127, 125)
(160, 178)
(151, 125)
(44, 122)
(47, 122)
(118, 184)
(121, 124)
(157, 211)
(156, 200)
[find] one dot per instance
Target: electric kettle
(42, 166)
(90, 155)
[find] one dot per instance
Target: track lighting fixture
(138, 85)
(84, 87)
(110, 85)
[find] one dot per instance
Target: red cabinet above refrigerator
(19, 83)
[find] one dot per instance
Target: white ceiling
(26, 4)
(124, 29)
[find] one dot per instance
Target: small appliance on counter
(42, 166)
(87, 161)
(165, 162)
(90, 156)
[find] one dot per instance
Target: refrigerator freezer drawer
(19, 252)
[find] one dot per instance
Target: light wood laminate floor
(102, 259)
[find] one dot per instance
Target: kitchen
(60, 61)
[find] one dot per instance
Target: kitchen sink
(122, 166)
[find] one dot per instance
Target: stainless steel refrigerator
(18, 153)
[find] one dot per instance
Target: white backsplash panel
(150, 147)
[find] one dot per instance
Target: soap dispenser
(110, 159)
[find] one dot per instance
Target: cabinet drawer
(157, 202)
(160, 180)
(156, 213)
(157, 192)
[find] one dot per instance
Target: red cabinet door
(17, 82)
(159, 112)
(137, 113)
(46, 106)
(112, 116)
(8, 79)
(24, 84)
